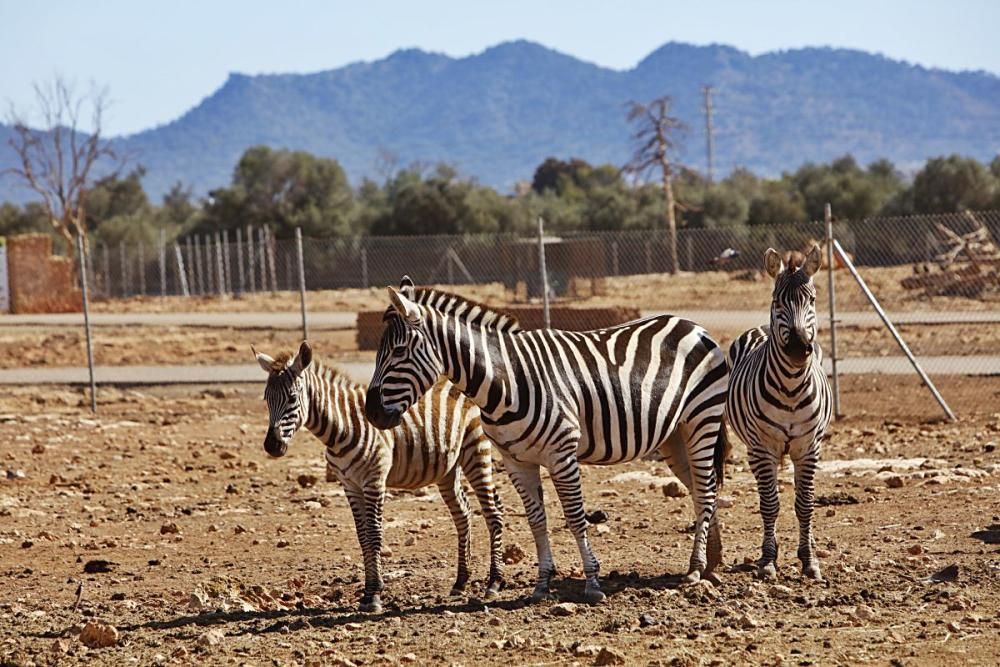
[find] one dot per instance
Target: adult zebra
(561, 398)
(436, 442)
(779, 400)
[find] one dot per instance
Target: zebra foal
(560, 399)
(435, 443)
(779, 401)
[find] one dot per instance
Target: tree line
(286, 189)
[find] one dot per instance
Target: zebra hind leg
(370, 601)
(454, 497)
(477, 464)
(527, 479)
(765, 469)
(565, 473)
(805, 470)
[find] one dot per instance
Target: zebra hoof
(811, 571)
(692, 577)
(540, 595)
(370, 605)
(767, 570)
(712, 578)
(593, 595)
(493, 589)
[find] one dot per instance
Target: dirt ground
(31, 346)
(216, 554)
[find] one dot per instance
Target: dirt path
(262, 570)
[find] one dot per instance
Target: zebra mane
(466, 309)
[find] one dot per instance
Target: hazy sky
(160, 58)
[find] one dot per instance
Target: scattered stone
(938, 535)
(645, 621)
(408, 657)
(953, 626)
(169, 528)
(410, 541)
(672, 489)
(780, 592)
(949, 573)
(725, 502)
(239, 530)
(865, 613)
(96, 634)
(496, 644)
(747, 622)
(603, 529)
(513, 554)
(609, 656)
(894, 482)
(60, 647)
(281, 544)
(563, 609)
(822, 553)
(597, 516)
(226, 455)
(197, 601)
(211, 638)
(15, 474)
(989, 447)
(831, 512)
(306, 480)
(98, 566)
(38, 449)
(587, 650)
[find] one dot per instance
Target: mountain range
(498, 114)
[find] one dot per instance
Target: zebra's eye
(399, 351)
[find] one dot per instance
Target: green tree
(953, 183)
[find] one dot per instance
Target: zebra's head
(407, 364)
(285, 395)
(793, 303)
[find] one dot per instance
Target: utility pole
(709, 145)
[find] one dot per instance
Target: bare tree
(57, 158)
(654, 139)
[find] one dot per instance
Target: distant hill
(496, 115)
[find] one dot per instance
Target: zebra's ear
(265, 361)
(407, 288)
(773, 263)
(813, 261)
(406, 308)
(303, 358)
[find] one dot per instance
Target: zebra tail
(720, 454)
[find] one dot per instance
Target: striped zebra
(435, 443)
(779, 400)
(559, 399)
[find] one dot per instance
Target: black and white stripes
(434, 443)
(779, 400)
(559, 399)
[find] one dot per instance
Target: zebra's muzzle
(376, 413)
(274, 445)
(797, 349)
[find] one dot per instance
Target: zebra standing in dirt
(436, 442)
(779, 400)
(561, 398)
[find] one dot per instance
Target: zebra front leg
(765, 470)
(527, 479)
(805, 471)
(477, 464)
(565, 472)
(374, 501)
(454, 497)
(356, 499)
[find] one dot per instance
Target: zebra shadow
(991, 535)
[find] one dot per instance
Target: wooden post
(251, 256)
(142, 269)
(828, 217)
(302, 281)
(239, 262)
(270, 258)
(544, 274)
(181, 272)
(86, 323)
(163, 262)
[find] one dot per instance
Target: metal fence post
(123, 268)
(195, 267)
(181, 273)
(261, 243)
(86, 323)
(828, 217)
(105, 255)
(544, 274)
(227, 268)
(142, 269)
(239, 262)
(220, 276)
(364, 266)
(251, 270)
(270, 259)
(892, 329)
(302, 281)
(163, 262)
(614, 258)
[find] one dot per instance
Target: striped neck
(779, 367)
(330, 395)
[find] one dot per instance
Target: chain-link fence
(952, 255)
